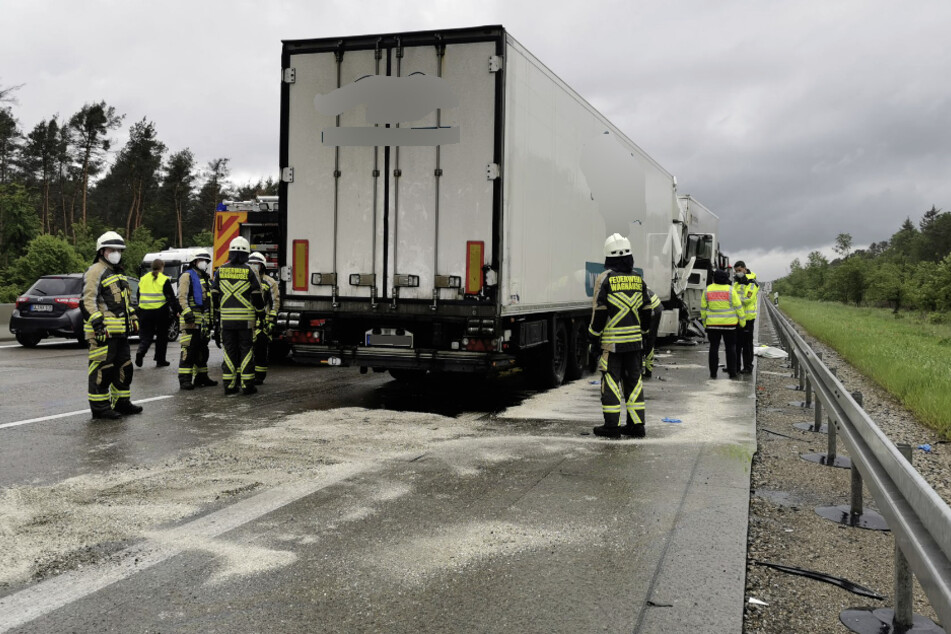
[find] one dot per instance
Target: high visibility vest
(624, 297)
(750, 297)
(151, 295)
(720, 307)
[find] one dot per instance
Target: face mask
(114, 257)
(202, 265)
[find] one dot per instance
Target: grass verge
(905, 354)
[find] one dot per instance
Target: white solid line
(76, 413)
(39, 600)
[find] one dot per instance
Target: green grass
(906, 355)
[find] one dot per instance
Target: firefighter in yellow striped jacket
(264, 328)
(106, 308)
(721, 312)
(238, 302)
(197, 319)
(620, 320)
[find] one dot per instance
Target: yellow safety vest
(750, 297)
(720, 307)
(151, 295)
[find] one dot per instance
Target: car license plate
(41, 308)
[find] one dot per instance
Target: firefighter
(156, 307)
(107, 312)
(620, 320)
(748, 289)
(721, 312)
(264, 328)
(197, 320)
(656, 311)
(238, 305)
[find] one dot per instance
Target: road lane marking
(76, 413)
(45, 597)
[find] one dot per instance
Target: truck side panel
(572, 178)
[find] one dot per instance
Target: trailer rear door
(390, 141)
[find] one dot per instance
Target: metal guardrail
(919, 519)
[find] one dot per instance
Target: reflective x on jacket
(236, 291)
(621, 304)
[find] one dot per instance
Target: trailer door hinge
(287, 174)
(495, 63)
(492, 171)
(289, 75)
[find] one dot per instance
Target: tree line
(63, 183)
(911, 270)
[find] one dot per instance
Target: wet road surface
(337, 502)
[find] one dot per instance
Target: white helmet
(199, 254)
(240, 245)
(110, 240)
(257, 258)
(616, 245)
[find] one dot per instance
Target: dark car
(50, 308)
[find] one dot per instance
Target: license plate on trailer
(389, 337)
(41, 308)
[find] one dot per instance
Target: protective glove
(594, 340)
(268, 327)
(217, 335)
(189, 317)
(134, 324)
(205, 330)
(99, 327)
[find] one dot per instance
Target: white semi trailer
(445, 199)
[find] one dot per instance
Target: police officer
(156, 307)
(194, 297)
(264, 328)
(238, 304)
(721, 312)
(620, 316)
(107, 312)
(748, 289)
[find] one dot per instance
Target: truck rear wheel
(577, 351)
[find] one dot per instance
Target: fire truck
(256, 221)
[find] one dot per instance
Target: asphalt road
(337, 502)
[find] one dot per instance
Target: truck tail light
(475, 257)
(301, 263)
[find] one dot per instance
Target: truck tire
(577, 351)
(28, 339)
(173, 329)
(550, 364)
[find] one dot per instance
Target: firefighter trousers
(194, 359)
(261, 344)
(237, 369)
(110, 374)
(622, 385)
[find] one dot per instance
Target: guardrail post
(831, 446)
(808, 392)
(904, 599)
(855, 506)
(802, 377)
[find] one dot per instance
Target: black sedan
(50, 308)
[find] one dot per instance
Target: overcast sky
(792, 121)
